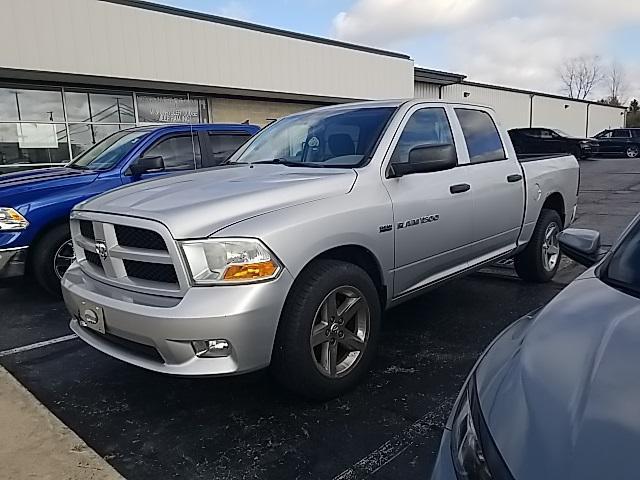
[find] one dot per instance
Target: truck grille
(130, 253)
(139, 238)
(86, 228)
(154, 272)
(93, 258)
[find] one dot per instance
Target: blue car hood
(18, 188)
(561, 396)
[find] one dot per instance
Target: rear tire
(539, 262)
(322, 348)
(49, 256)
(633, 152)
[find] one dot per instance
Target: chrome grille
(139, 238)
(131, 253)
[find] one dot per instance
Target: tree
(580, 75)
(616, 84)
(633, 115)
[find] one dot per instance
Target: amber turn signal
(251, 271)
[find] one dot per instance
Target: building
(74, 71)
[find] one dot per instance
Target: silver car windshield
(320, 138)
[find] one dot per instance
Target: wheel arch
(555, 202)
(360, 256)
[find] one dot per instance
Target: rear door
(620, 140)
(432, 211)
(497, 185)
(218, 146)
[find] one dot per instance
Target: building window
(52, 125)
(171, 109)
(32, 144)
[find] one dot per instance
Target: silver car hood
(560, 396)
(198, 204)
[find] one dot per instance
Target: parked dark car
(536, 141)
(620, 141)
(557, 394)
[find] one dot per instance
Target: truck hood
(43, 178)
(196, 205)
(561, 400)
(20, 189)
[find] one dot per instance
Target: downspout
(586, 133)
(440, 92)
(531, 95)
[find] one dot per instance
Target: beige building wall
(257, 112)
(96, 38)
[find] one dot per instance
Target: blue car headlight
(468, 455)
(11, 219)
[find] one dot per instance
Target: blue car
(35, 205)
(556, 396)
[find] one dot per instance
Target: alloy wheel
(632, 152)
(63, 258)
(340, 331)
(550, 247)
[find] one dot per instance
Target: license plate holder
(91, 316)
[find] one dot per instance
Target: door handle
(460, 188)
(514, 178)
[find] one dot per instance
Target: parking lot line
(394, 447)
(33, 346)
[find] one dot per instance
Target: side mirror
(147, 164)
(581, 245)
(427, 158)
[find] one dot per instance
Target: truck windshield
(343, 137)
(107, 153)
(623, 272)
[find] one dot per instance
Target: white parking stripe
(391, 449)
(33, 346)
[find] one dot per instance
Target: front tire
(540, 260)
(50, 258)
(328, 330)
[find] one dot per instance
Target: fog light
(211, 348)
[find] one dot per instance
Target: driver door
(179, 153)
(432, 211)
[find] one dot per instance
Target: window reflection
(32, 143)
(40, 105)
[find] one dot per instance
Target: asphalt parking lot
(152, 426)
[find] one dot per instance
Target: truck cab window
(222, 146)
(178, 153)
(483, 141)
(428, 126)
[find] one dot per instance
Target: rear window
(481, 134)
(222, 146)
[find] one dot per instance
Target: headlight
(11, 219)
(229, 260)
(466, 449)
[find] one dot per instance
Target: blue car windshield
(623, 270)
(108, 153)
(337, 137)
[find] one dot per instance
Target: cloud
(511, 42)
(376, 21)
(233, 9)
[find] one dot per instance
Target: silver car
(288, 254)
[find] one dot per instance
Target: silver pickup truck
(288, 254)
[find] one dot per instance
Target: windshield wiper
(287, 163)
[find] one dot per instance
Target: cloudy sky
(519, 43)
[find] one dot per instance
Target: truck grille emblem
(101, 250)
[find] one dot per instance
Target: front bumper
(245, 315)
(444, 469)
(13, 262)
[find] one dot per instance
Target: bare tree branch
(580, 75)
(617, 84)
